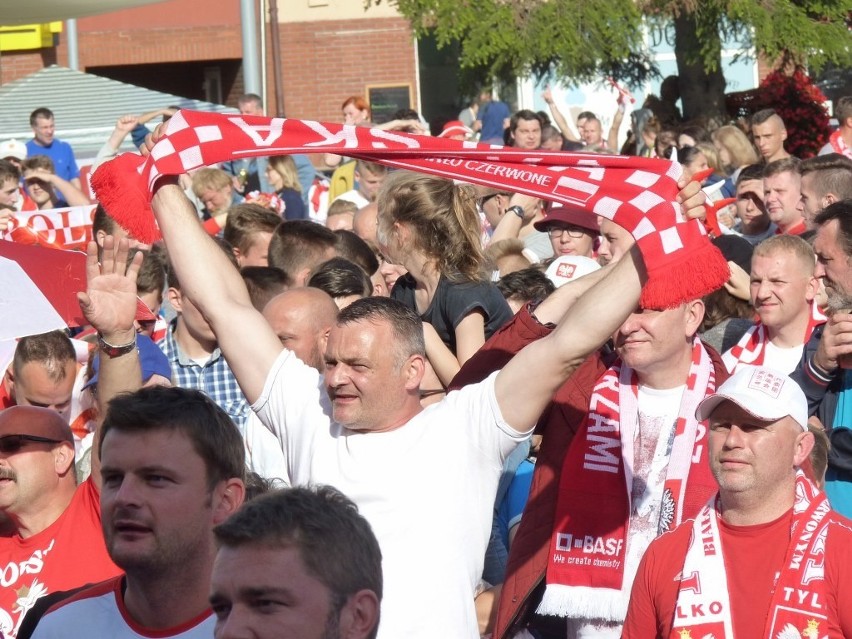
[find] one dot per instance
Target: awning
(44, 11)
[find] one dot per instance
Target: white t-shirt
(353, 196)
(99, 611)
(782, 359)
(652, 447)
(263, 453)
(427, 489)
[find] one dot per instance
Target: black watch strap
(517, 210)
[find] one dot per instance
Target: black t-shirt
(453, 302)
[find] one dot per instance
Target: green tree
(583, 40)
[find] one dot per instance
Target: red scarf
(751, 349)
(637, 193)
(839, 144)
(588, 547)
(802, 571)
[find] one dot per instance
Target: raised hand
(835, 346)
(126, 123)
(109, 302)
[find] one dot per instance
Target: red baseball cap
(572, 216)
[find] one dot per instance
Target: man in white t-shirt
(783, 287)
(425, 479)
(368, 180)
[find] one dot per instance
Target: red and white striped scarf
(704, 585)
(839, 144)
(637, 193)
(585, 575)
(751, 349)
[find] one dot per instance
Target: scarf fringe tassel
(689, 277)
(582, 602)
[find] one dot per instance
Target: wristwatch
(517, 210)
(111, 350)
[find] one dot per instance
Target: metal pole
(251, 66)
(73, 51)
(263, 73)
(276, 58)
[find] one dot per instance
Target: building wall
(326, 61)
(17, 64)
(330, 49)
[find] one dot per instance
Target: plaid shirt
(214, 379)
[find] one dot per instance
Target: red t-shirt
(67, 554)
(753, 556)
(6, 400)
(796, 229)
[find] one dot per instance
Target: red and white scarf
(751, 349)
(637, 193)
(706, 587)
(585, 575)
(839, 144)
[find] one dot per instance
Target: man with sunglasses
(55, 540)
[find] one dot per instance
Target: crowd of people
(340, 400)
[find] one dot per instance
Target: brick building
(330, 49)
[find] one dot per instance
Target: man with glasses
(571, 231)
(54, 540)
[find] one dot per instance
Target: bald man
(56, 542)
(302, 318)
(365, 223)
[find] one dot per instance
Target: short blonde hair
(209, 178)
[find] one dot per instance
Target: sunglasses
(11, 444)
(480, 202)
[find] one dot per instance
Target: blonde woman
(735, 150)
(282, 176)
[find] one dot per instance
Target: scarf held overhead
(638, 194)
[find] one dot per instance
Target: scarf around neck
(839, 144)
(585, 576)
(751, 349)
(704, 586)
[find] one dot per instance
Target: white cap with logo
(567, 268)
(13, 149)
(764, 393)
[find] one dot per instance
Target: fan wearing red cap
(572, 231)
(55, 542)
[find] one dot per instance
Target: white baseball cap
(762, 392)
(567, 268)
(13, 149)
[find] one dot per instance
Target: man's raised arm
(527, 383)
(217, 289)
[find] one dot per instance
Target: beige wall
(313, 10)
